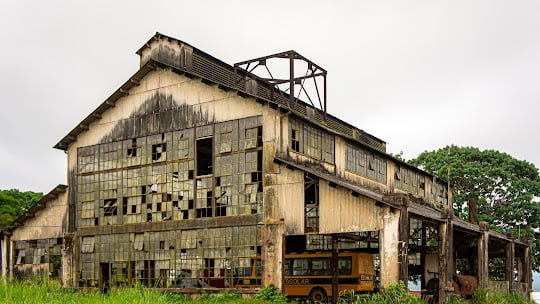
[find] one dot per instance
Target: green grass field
(32, 293)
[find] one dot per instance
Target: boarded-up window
(138, 243)
(252, 135)
(188, 239)
(225, 144)
(365, 163)
(183, 148)
(87, 210)
(87, 245)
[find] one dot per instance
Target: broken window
(204, 156)
(311, 141)
(158, 152)
(295, 141)
(87, 245)
(365, 163)
(109, 207)
(20, 253)
(132, 150)
(204, 197)
(409, 180)
(253, 137)
(129, 183)
(311, 203)
(88, 159)
(208, 257)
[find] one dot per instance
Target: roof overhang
(110, 102)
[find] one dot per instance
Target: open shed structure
(194, 168)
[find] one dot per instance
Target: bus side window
(300, 267)
(288, 267)
(258, 269)
(320, 267)
(345, 265)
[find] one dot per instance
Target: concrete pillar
(70, 258)
(11, 257)
(483, 256)
(273, 253)
(3, 267)
(388, 246)
(3, 246)
(404, 244)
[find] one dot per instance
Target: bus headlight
(365, 277)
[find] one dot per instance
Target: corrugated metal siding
(219, 74)
(290, 199)
(342, 212)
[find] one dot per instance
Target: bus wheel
(318, 295)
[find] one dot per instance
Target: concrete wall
(47, 224)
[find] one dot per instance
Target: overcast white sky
(417, 74)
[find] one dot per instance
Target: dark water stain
(158, 114)
(72, 199)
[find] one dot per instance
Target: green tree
(13, 203)
(507, 189)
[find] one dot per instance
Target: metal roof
(214, 70)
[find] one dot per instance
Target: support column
(11, 257)
(509, 263)
(335, 256)
(446, 259)
(388, 246)
(273, 249)
(483, 255)
(404, 244)
(4, 256)
(527, 266)
(69, 269)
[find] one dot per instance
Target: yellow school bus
(310, 275)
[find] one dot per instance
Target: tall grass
(53, 293)
(493, 297)
(398, 294)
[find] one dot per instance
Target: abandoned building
(193, 169)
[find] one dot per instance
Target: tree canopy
(507, 189)
(13, 203)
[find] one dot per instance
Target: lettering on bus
(296, 281)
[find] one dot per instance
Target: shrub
(482, 296)
(394, 294)
(272, 294)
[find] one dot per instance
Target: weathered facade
(193, 168)
(35, 246)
